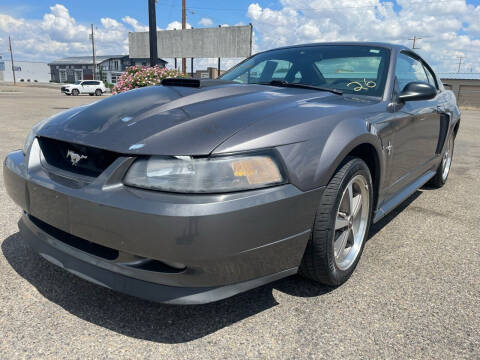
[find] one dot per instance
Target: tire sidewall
(356, 167)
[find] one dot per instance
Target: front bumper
(224, 244)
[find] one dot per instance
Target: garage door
(469, 95)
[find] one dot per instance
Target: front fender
(313, 163)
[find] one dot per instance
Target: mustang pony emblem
(74, 157)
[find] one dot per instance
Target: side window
(431, 78)
(408, 70)
(85, 83)
(95, 83)
(281, 70)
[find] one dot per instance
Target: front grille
(63, 88)
(63, 155)
(76, 242)
(101, 251)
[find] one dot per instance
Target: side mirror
(418, 90)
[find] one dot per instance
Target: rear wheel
(341, 225)
(75, 92)
(443, 169)
(98, 92)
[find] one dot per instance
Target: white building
(25, 71)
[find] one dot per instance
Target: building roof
(85, 60)
(459, 76)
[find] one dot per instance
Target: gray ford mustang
(193, 191)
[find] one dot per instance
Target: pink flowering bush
(140, 76)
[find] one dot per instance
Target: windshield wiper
(300, 86)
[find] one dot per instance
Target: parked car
(196, 190)
(90, 87)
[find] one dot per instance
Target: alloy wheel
(447, 159)
(351, 222)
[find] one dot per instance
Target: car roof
(350, 43)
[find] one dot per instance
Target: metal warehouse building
(466, 87)
(25, 71)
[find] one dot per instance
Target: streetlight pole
(152, 30)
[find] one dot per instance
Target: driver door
(415, 129)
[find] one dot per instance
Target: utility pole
(219, 59)
(415, 38)
(93, 54)
(152, 22)
(184, 26)
(460, 59)
(11, 57)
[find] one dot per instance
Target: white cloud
(205, 22)
(135, 24)
(177, 25)
(447, 28)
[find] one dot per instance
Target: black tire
(91, 94)
(75, 92)
(318, 261)
(98, 92)
(440, 179)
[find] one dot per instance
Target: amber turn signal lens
(257, 170)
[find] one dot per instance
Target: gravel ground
(415, 293)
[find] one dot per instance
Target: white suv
(90, 87)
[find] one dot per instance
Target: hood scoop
(194, 83)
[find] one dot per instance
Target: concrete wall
(466, 91)
(226, 42)
(26, 70)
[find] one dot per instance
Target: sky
(44, 30)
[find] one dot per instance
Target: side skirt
(402, 195)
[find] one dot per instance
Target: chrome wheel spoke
(357, 205)
(350, 198)
(339, 245)
(341, 222)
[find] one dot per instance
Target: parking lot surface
(415, 293)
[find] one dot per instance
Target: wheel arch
(367, 152)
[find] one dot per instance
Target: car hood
(173, 120)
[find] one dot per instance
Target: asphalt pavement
(414, 295)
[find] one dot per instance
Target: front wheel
(443, 169)
(75, 92)
(341, 225)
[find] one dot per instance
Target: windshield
(78, 82)
(353, 69)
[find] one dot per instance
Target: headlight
(184, 174)
(28, 141)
